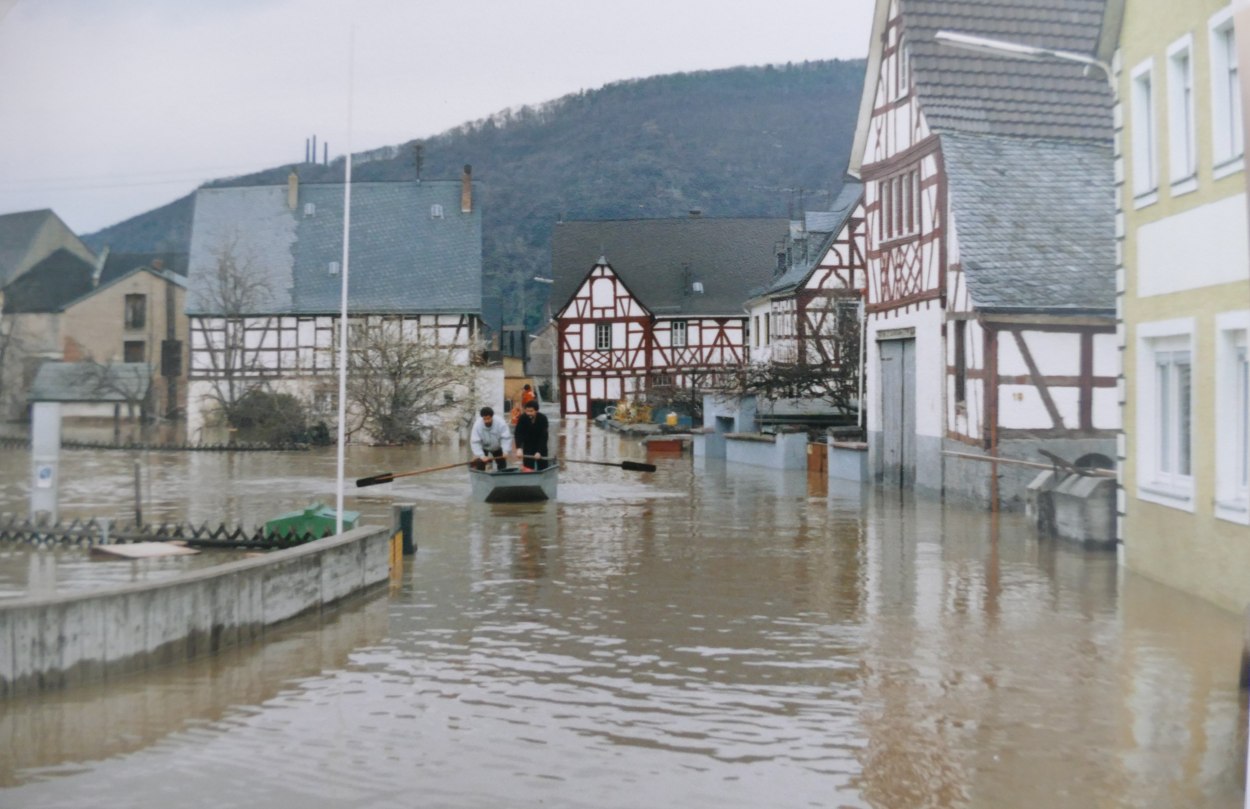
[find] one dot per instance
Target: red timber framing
(611, 347)
(906, 205)
(831, 292)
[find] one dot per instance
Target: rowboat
(515, 485)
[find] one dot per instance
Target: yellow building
(1184, 299)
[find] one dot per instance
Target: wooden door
(898, 406)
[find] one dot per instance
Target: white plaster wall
(1201, 247)
(930, 368)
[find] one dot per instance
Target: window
(1232, 418)
(1181, 158)
(136, 312)
(961, 363)
(1145, 170)
(900, 205)
(679, 333)
(436, 211)
(1165, 413)
(768, 322)
(134, 351)
(603, 336)
(1226, 129)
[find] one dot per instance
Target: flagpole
(347, 227)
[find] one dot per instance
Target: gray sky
(109, 108)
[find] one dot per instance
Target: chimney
(292, 190)
(158, 264)
(466, 190)
(99, 266)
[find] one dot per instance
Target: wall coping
(202, 574)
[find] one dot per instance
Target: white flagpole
(347, 227)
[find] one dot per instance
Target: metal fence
(86, 533)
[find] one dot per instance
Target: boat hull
(514, 485)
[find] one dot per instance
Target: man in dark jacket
(531, 437)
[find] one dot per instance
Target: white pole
(860, 393)
(347, 228)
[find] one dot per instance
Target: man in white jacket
(489, 439)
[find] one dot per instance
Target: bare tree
(827, 371)
(10, 348)
(231, 332)
(399, 379)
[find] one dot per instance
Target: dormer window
(310, 209)
(697, 287)
(334, 268)
(436, 211)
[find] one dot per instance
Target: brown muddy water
(704, 636)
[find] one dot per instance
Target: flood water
(701, 636)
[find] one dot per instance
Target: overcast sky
(109, 108)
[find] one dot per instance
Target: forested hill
(759, 141)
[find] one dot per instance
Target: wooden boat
(514, 485)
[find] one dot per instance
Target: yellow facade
(1185, 299)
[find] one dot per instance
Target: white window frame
(1145, 138)
(1232, 417)
(679, 331)
(1162, 475)
(1227, 133)
(603, 337)
(1182, 141)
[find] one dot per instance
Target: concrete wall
(969, 481)
(55, 641)
(781, 451)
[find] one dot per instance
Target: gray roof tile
(969, 92)
(825, 226)
(659, 259)
(403, 259)
(1035, 220)
(88, 382)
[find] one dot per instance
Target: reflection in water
(60, 733)
(708, 637)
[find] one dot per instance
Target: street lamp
(1017, 50)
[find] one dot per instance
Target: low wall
(780, 451)
(848, 460)
(59, 640)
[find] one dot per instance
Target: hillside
(762, 141)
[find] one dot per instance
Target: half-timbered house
(265, 281)
(651, 304)
(990, 246)
(819, 282)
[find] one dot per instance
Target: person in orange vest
(527, 395)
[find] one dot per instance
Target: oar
(387, 477)
(632, 466)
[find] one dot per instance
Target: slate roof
(118, 264)
(403, 259)
(17, 234)
(89, 382)
(49, 285)
(971, 92)
(1035, 220)
(823, 226)
(660, 259)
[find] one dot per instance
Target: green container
(317, 520)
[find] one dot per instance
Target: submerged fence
(24, 443)
(86, 533)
